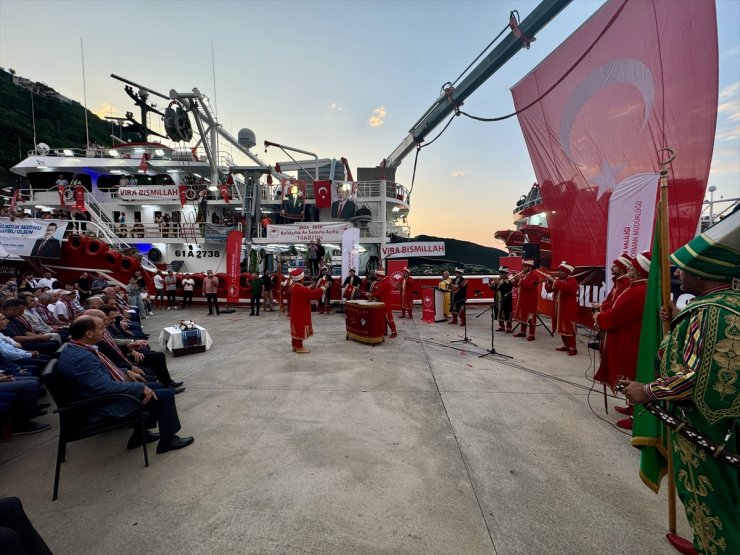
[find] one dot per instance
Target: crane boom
(501, 54)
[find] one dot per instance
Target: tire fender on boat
(95, 247)
(77, 242)
(112, 259)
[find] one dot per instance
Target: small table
(171, 338)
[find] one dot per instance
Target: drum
(365, 321)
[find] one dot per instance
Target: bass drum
(95, 247)
(77, 242)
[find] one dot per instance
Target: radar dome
(247, 138)
(43, 148)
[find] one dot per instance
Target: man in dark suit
(48, 246)
(293, 204)
(343, 208)
(93, 374)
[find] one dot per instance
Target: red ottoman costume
(565, 311)
(300, 310)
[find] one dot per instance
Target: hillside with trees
(60, 122)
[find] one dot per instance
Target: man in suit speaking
(48, 246)
(343, 208)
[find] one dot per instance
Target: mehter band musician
(698, 376)
(444, 286)
(300, 310)
(324, 284)
(620, 325)
(526, 306)
(459, 289)
(380, 290)
(565, 311)
(351, 286)
(503, 288)
(406, 285)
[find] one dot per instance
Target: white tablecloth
(171, 338)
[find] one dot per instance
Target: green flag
(647, 430)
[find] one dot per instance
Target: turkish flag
(182, 189)
(80, 198)
(598, 109)
(322, 193)
(224, 190)
(144, 166)
(60, 191)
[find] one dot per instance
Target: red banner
(322, 193)
(233, 255)
(605, 116)
(144, 166)
(182, 189)
(60, 190)
(80, 198)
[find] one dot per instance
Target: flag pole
(665, 283)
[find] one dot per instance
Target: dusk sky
(339, 79)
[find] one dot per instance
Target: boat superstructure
(174, 205)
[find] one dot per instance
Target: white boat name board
(161, 192)
(305, 232)
(402, 250)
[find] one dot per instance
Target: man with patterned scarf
(699, 375)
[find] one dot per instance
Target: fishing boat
(152, 205)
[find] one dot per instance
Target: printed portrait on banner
(294, 199)
(344, 196)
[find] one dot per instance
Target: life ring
(69, 194)
(77, 242)
(154, 254)
(190, 194)
(96, 247)
(112, 259)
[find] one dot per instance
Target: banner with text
(305, 232)
(350, 251)
(405, 250)
(150, 192)
(631, 217)
(29, 237)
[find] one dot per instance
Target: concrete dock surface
(415, 445)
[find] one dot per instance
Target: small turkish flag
(144, 166)
(322, 193)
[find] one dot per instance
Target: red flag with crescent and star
(322, 193)
(597, 110)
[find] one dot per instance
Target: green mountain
(473, 258)
(60, 122)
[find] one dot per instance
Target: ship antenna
(213, 71)
(84, 93)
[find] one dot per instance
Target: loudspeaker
(531, 251)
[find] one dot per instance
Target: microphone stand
(465, 338)
(492, 350)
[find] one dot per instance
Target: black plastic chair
(74, 424)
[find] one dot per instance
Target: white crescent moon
(627, 71)
(323, 187)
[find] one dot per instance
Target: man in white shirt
(46, 281)
(188, 285)
(158, 287)
(57, 307)
(62, 181)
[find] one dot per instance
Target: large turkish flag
(637, 77)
